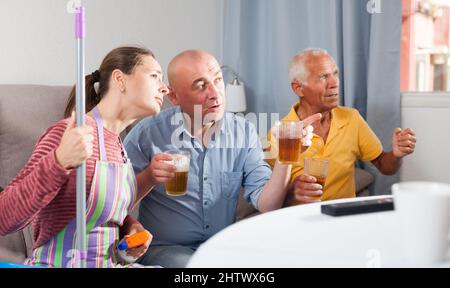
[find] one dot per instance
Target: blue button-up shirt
(231, 160)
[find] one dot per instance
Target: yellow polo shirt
(350, 138)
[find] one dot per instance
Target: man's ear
(297, 88)
(172, 96)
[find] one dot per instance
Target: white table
(301, 236)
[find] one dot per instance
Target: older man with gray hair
(341, 136)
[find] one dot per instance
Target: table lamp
(235, 94)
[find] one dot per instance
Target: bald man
(225, 155)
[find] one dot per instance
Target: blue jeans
(167, 256)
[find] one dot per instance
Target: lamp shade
(235, 97)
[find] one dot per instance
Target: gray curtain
(261, 36)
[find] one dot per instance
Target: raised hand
(403, 142)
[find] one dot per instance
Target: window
(425, 46)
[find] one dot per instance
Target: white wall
(38, 45)
(429, 115)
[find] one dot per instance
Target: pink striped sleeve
(36, 185)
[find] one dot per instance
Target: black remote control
(358, 207)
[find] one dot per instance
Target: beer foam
(289, 129)
(181, 162)
(290, 134)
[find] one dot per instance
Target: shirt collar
(292, 115)
(337, 117)
(184, 122)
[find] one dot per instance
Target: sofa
(25, 112)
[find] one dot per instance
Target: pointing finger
(311, 119)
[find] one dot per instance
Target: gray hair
(297, 67)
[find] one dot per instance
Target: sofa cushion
(13, 248)
(25, 112)
(363, 179)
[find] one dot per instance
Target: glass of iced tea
(177, 186)
(318, 168)
(289, 141)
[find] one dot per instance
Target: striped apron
(113, 191)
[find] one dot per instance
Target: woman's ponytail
(92, 99)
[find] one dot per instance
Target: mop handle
(80, 111)
(79, 23)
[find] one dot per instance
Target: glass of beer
(289, 141)
(318, 168)
(177, 186)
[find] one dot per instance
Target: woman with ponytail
(127, 86)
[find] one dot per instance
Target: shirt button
(205, 203)
(207, 226)
(205, 178)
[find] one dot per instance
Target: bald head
(196, 80)
(184, 61)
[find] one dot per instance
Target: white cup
(423, 210)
